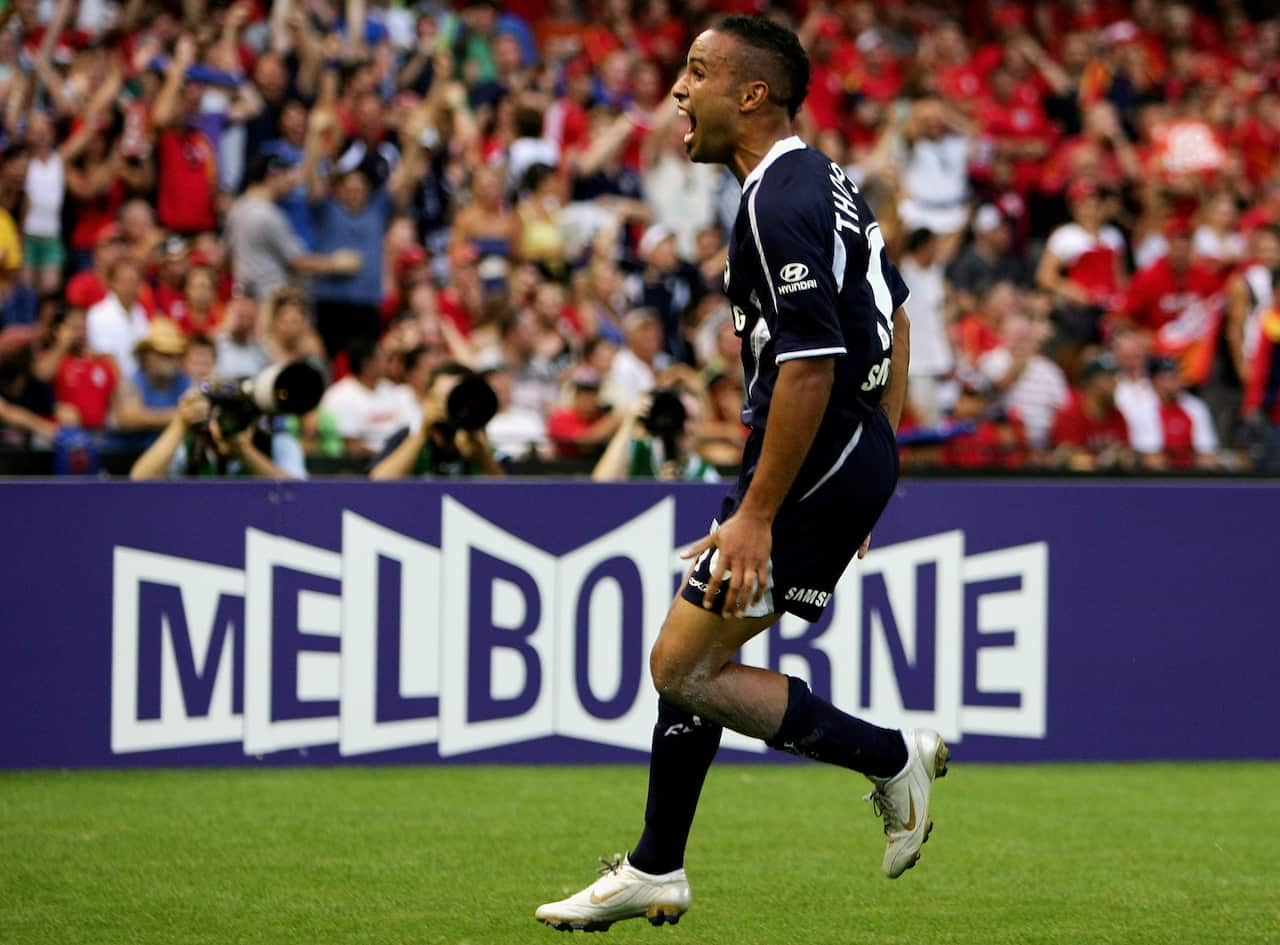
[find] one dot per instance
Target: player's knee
(670, 677)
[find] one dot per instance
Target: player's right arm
(793, 232)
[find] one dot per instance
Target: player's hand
(744, 544)
(865, 547)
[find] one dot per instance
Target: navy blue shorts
(836, 501)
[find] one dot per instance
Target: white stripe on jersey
(840, 460)
(839, 262)
(755, 231)
(809, 353)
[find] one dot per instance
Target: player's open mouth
(693, 124)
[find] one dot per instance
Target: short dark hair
(448, 369)
(199, 340)
(918, 238)
(360, 351)
(413, 356)
(783, 62)
(262, 167)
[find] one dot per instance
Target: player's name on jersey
(489, 641)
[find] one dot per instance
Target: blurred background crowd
(1083, 197)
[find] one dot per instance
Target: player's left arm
(895, 394)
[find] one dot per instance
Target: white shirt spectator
(370, 416)
(1135, 398)
(682, 196)
(240, 360)
(629, 378)
(930, 348)
(45, 188)
(112, 329)
(1037, 395)
(1140, 404)
(514, 430)
(935, 184)
(526, 152)
(1071, 241)
(1152, 249)
(1207, 244)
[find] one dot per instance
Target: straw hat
(163, 337)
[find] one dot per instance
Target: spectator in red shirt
(1101, 149)
(171, 277)
(1090, 432)
(199, 311)
(993, 437)
(1173, 427)
(1016, 125)
(584, 426)
(1083, 268)
(83, 382)
(1176, 300)
(186, 167)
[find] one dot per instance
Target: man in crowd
(194, 444)
(433, 446)
(1029, 384)
(985, 261)
(84, 382)
(640, 360)
(239, 352)
(931, 362)
(148, 398)
(118, 322)
(265, 252)
(582, 426)
(366, 407)
(667, 285)
(1090, 432)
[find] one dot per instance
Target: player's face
(706, 93)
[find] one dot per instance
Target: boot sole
(656, 915)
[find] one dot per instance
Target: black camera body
(666, 418)
(291, 388)
(471, 404)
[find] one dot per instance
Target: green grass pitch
(1069, 854)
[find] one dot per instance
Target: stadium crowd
(1083, 197)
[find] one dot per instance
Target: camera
(666, 418)
(471, 404)
(291, 388)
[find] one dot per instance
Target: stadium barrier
(339, 622)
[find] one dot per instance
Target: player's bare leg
(693, 666)
(701, 689)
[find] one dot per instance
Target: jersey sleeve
(794, 236)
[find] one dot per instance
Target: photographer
(451, 440)
(659, 449)
(194, 444)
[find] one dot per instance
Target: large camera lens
(667, 414)
(472, 403)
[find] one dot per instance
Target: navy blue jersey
(808, 276)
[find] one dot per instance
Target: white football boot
(903, 800)
(621, 892)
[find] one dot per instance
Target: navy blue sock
(816, 729)
(683, 748)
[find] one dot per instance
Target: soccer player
(817, 305)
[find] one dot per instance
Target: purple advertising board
(422, 622)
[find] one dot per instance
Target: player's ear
(752, 95)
